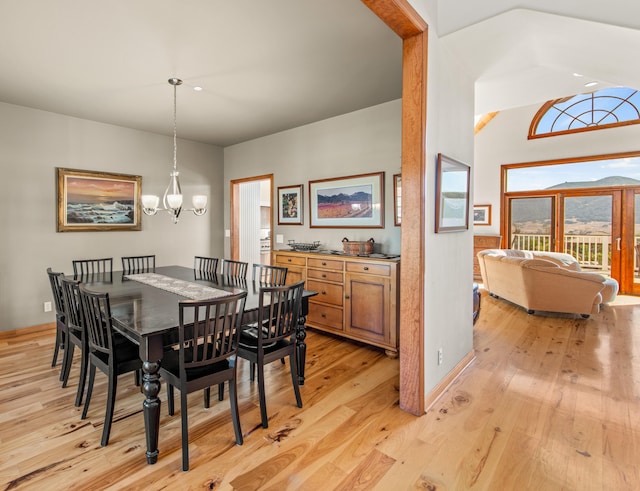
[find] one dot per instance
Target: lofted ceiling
(270, 65)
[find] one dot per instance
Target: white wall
(448, 256)
(33, 143)
(355, 143)
(504, 141)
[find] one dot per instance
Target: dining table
(144, 308)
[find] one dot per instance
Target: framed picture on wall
(348, 202)
(452, 195)
(482, 214)
(90, 201)
(397, 199)
(290, 205)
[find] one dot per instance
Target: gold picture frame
(90, 201)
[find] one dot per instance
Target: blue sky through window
(546, 176)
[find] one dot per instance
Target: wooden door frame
(401, 18)
(234, 218)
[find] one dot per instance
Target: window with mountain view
(588, 208)
(583, 112)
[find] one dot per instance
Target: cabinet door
(366, 306)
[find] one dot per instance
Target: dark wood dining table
(148, 316)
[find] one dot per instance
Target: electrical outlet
(439, 356)
(47, 306)
(279, 239)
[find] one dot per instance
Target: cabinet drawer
(285, 259)
(486, 241)
(318, 263)
(325, 316)
(327, 292)
(368, 268)
(320, 274)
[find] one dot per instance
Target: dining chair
(86, 267)
(138, 264)
(269, 275)
(55, 280)
(75, 335)
(273, 336)
(109, 351)
(236, 269)
(206, 355)
(204, 264)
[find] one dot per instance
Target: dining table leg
(151, 349)
(301, 346)
(151, 408)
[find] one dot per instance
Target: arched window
(584, 112)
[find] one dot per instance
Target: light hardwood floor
(549, 403)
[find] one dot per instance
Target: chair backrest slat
(279, 312)
(236, 269)
(56, 289)
(72, 308)
(209, 330)
(83, 268)
(204, 264)
(97, 316)
(269, 275)
(138, 264)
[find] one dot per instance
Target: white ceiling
(270, 65)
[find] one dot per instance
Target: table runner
(184, 288)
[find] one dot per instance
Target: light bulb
(174, 201)
(199, 201)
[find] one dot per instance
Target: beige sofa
(544, 281)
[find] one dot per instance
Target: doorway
(251, 219)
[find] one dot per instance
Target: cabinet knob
(324, 292)
(347, 297)
(289, 259)
(366, 268)
(324, 275)
(324, 316)
(323, 263)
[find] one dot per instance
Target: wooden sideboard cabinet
(358, 297)
(481, 242)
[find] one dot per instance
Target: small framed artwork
(290, 205)
(452, 195)
(90, 201)
(397, 199)
(348, 202)
(482, 214)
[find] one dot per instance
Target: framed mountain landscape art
(97, 201)
(347, 202)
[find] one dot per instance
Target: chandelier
(172, 199)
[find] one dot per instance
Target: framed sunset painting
(97, 201)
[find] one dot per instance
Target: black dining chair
(89, 267)
(269, 275)
(204, 264)
(75, 335)
(273, 336)
(234, 269)
(138, 264)
(206, 355)
(55, 280)
(109, 351)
